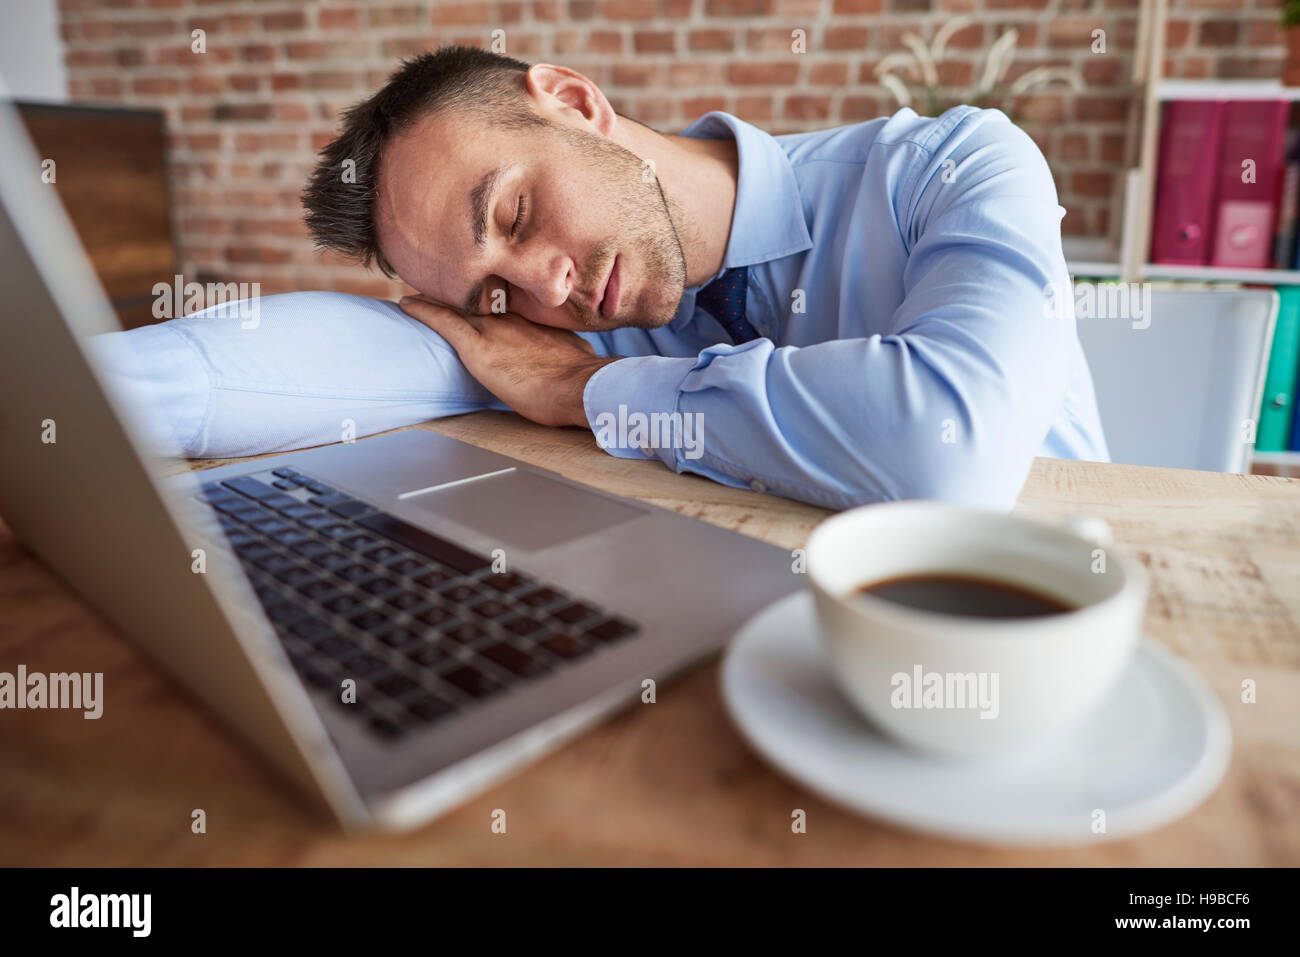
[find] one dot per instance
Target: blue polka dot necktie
(724, 300)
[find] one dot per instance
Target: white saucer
(1155, 749)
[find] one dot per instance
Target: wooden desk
(669, 783)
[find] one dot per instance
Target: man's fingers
(457, 329)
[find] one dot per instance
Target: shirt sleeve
(952, 404)
(302, 369)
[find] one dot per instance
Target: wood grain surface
(672, 783)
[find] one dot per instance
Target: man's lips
(608, 303)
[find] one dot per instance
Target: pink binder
(1251, 164)
(1186, 171)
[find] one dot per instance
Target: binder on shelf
(1186, 170)
(1253, 143)
(1288, 209)
(1276, 429)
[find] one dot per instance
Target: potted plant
(1291, 27)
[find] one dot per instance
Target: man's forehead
(419, 219)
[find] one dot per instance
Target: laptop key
(273, 563)
(359, 543)
(250, 487)
(292, 536)
(279, 501)
(429, 708)
(434, 577)
(435, 615)
(343, 604)
(285, 473)
(354, 573)
(282, 612)
(611, 629)
(465, 632)
(382, 554)
(338, 647)
(319, 520)
(407, 566)
(311, 629)
(565, 646)
(539, 597)
(472, 681)
(296, 575)
(427, 544)
(490, 608)
(398, 637)
(405, 600)
(428, 655)
(364, 665)
(381, 587)
(298, 510)
(396, 685)
(270, 526)
(384, 727)
(350, 509)
(319, 488)
(320, 589)
(513, 659)
(459, 593)
(332, 560)
(523, 627)
(284, 484)
(506, 582)
(370, 619)
(573, 613)
(309, 547)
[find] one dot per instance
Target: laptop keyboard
(425, 627)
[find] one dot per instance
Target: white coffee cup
(961, 685)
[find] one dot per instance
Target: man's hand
(539, 371)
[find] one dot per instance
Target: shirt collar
(768, 222)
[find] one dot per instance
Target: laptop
(394, 624)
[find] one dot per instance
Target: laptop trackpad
(523, 509)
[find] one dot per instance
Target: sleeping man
(864, 313)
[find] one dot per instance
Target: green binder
(1278, 405)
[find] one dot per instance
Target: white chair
(1179, 392)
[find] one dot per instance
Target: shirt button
(757, 486)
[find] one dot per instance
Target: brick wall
(247, 115)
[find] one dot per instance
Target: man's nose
(546, 275)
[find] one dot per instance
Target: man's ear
(562, 92)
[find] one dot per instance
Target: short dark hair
(480, 84)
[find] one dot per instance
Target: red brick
(737, 8)
(803, 107)
(345, 18)
(460, 14)
(712, 40)
(654, 41)
(846, 38)
(828, 74)
(393, 16)
(284, 20)
(758, 74)
(858, 6)
(630, 10)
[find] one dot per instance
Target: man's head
(492, 186)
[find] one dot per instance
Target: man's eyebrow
(480, 198)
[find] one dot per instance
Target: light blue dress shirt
(898, 272)
(904, 273)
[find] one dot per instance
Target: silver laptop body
(150, 554)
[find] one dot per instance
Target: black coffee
(963, 595)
